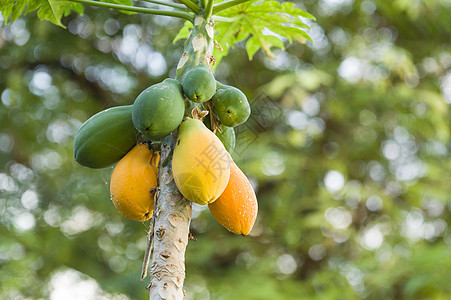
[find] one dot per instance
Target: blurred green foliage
(348, 147)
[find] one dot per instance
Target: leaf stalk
(191, 5)
(217, 8)
(208, 9)
(177, 14)
(166, 3)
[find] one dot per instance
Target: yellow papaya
(132, 181)
(200, 164)
(236, 208)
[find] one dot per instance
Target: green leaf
(265, 25)
(12, 9)
(50, 10)
(227, 35)
(184, 32)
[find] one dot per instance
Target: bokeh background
(348, 148)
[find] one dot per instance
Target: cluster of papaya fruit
(202, 167)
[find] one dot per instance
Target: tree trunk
(172, 214)
(171, 229)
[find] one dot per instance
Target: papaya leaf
(12, 9)
(50, 10)
(265, 25)
(183, 32)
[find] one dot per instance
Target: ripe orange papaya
(132, 181)
(236, 208)
(200, 164)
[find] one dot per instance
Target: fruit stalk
(172, 214)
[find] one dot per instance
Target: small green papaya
(200, 164)
(220, 86)
(227, 136)
(159, 109)
(231, 106)
(199, 85)
(105, 137)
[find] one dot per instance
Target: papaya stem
(208, 9)
(177, 14)
(191, 5)
(166, 3)
(198, 47)
(226, 4)
(214, 123)
(172, 215)
(172, 212)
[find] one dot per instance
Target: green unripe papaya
(227, 136)
(105, 137)
(159, 109)
(199, 85)
(231, 106)
(220, 86)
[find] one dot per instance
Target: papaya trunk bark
(172, 214)
(172, 218)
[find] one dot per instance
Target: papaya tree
(181, 129)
